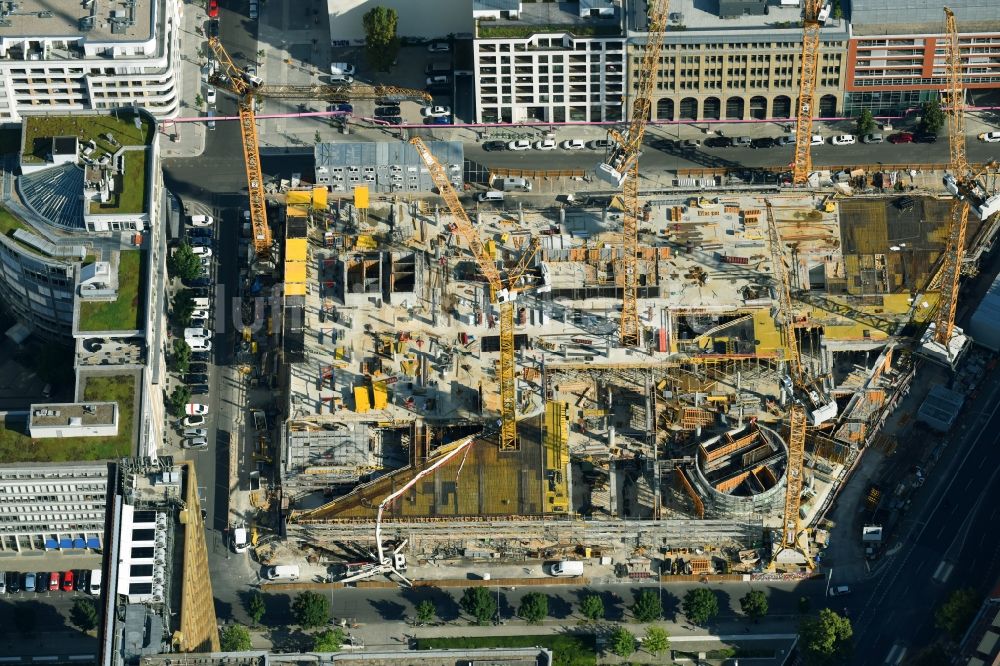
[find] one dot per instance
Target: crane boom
(958, 225)
(498, 294)
(621, 168)
(802, 163)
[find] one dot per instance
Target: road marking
(896, 655)
(943, 572)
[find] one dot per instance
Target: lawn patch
(123, 313)
(130, 188)
(567, 649)
(39, 130)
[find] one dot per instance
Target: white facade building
(541, 62)
(64, 55)
(52, 506)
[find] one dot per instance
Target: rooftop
(883, 17)
(16, 446)
(97, 21)
(687, 15)
(59, 414)
(123, 313)
(548, 17)
(39, 131)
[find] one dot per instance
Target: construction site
(669, 373)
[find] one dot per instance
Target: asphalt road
(949, 540)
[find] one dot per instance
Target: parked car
(690, 143)
(254, 10)
(816, 140)
(843, 140)
(990, 137)
(545, 144)
(199, 389)
(67, 581)
(764, 142)
(198, 282)
(202, 220)
(874, 137)
(200, 242)
(195, 409)
(193, 421)
(202, 356)
(439, 81)
(393, 120)
(440, 120)
(202, 251)
(901, 137)
(195, 443)
(213, 28)
(786, 140)
(840, 591)
(198, 368)
(741, 142)
(13, 582)
(438, 47)
(385, 111)
(213, 8)
(346, 108)
(210, 95)
(573, 144)
(495, 146)
(433, 111)
(520, 144)
(196, 432)
(717, 142)
(200, 344)
(195, 379)
(29, 582)
(195, 232)
(54, 581)
(598, 144)
(924, 137)
(80, 580)
(3, 583)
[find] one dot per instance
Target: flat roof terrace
(96, 21)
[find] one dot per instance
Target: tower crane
(802, 164)
(247, 88)
(503, 292)
(621, 168)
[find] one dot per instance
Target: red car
(901, 137)
(68, 581)
(54, 581)
(213, 8)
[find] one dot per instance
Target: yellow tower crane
(503, 291)
(247, 88)
(621, 168)
(802, 164)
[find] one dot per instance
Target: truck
(240, 540)
(515, 184)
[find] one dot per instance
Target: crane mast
(621, 168)
(802, 163)
(499, 295)
(944, 324)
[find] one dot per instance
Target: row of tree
(931, 119)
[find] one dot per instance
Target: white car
(210, 95)
(520, 144)
(195, 409)
(194, 421)
(990, 137)
(200, 251)
(199, 344)
(843, 140)
(199, 314)
(573, 144)
(438, 47)
(816, 140)
(545, 144)
(202, 220)
(435, 111)
(195, 432)
(787, 140)
(195, 443)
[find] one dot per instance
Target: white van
(201, 303)
(196, 332)
(567, 568)
(491, 196)
(289, 571)
(95, 582)
(341, 69)
(511, 184)
(240, 541)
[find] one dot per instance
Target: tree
(622, 641)
(255, 607)
(754, 604)
(534, 607)
(84, 614)
(932, 655)
(931, 117)
(180, 396)
(838, 13)
(381, 42)
(329, 640)
(317, 138)
(426, 612)
(647, 607)
(199, 100)
(311, 609)
(826, 639)
(235, 638)
(183, 307)
(957, 612)
(479, 603)
(592, 607)
(700, 605)
(657, 640)
(181, 356)
(866, 122)
(183, 263)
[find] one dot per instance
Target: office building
(67, 55)
(896, 58)
(731, 61)
(548, 62)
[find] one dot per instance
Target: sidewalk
(190, 137)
